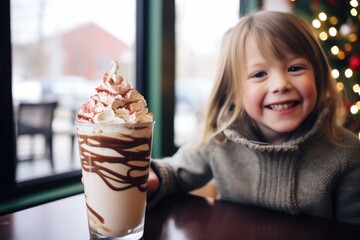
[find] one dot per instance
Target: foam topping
(115, 100)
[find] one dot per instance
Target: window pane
(200, 26)
(60, 50)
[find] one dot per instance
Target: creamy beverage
(115, 134)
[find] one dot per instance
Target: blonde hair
(276, 33)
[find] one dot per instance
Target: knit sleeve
(168, 184)
(186, 170)
(348, 190)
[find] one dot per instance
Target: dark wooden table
(177, 217)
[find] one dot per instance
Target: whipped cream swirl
(115, 101)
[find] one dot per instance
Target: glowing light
(356, 88)
(354, 3)
(332, 31)
(347, 47)
(348, 73)
(322, 16)
(333, 20)
(352, 37)
(353, 12)
(341, 55)
(335, 73)
(334, 50)
(323, 36)
(358, 104)
(354, 109)
(340, 86)
(316, 23)
(345, 29)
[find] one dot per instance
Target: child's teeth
(280, 107)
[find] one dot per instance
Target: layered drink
(115, 135)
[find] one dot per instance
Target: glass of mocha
(114, 131)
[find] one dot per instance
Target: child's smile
(283, 107)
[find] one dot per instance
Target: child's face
(279, 94)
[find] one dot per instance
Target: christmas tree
(337, 24)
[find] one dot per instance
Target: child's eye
(295, 68)
(259, 74)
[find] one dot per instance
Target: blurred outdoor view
(200, 26)
(60, 49)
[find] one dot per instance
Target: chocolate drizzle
(136, 160)
(98, 217)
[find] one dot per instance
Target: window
(60, 49)
(47, 22)
(200, 26)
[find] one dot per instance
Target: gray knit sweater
(308, 174)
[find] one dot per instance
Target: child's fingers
(153, 182)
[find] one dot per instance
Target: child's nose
(280, 84)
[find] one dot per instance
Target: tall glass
(115, 167)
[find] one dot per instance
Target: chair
(67, 128)
(36, 119)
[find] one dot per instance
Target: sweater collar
(243, 132)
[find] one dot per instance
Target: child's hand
(153, 182)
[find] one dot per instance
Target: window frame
(7, 148)
(16, 196)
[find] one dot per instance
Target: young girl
(271, 136)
